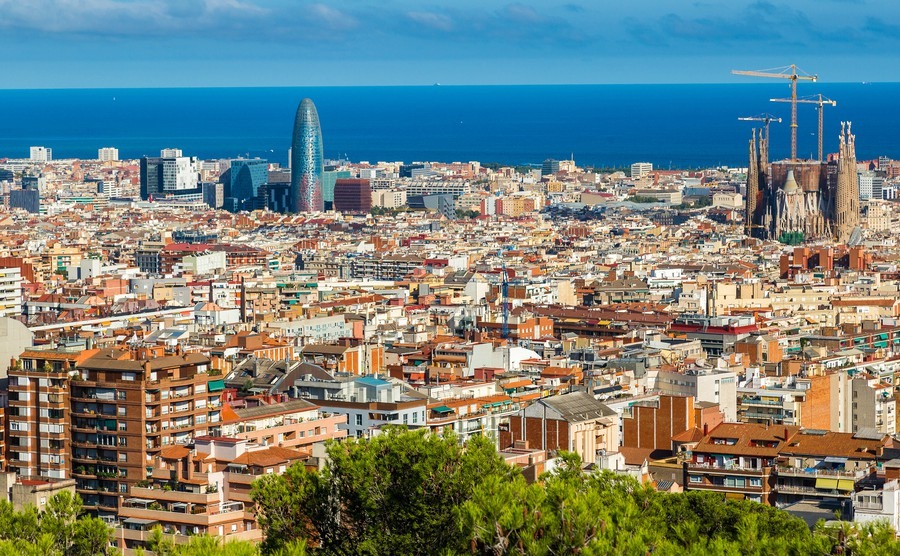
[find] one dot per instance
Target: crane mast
(766, 119)
(820, 103)
(788, 72)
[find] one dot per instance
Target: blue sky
(145, 43)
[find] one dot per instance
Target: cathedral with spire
(806, 199)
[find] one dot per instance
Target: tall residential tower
(306, 160)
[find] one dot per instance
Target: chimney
(705, 429)
(785, 434)
(189, 472)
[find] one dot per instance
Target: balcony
(812, 473)
(757, 401)
(174, 495)
(727, 470)
(812, 491)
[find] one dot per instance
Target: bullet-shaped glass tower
(306, 160)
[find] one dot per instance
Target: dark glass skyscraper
(306, 160)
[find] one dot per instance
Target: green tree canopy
(397, 493)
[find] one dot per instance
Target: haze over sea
(602, 125)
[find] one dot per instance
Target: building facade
(306, 160)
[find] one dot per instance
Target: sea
(672, 126)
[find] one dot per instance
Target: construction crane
(764, 118)
(787, 72)
(820, 102)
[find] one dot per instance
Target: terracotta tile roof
(274, 455)
(746, 439)
(691, 435)
(836, 444)
(174, 452)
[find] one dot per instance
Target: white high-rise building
(170, 153)
(108, 154)
(870, 185)
(179, 173)
(640, 170)
(41, 154)
(10, 292)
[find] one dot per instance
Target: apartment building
(127, 405)
(367, 401)
(39, 412)
(703, 384)
(10, 292)
(290, 424)
(575, 422)
(200, 490)
(783, 464)
(359, 359)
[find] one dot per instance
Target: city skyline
(136, 43)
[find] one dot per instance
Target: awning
(216, 385)
(845, 485)
(442, 409)
(826, 484)
(136, 521)
(833, 459)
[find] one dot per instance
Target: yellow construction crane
(764, 118)
(820, 102)
(787, 72)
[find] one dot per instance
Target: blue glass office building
(247, 177)
(306, 160)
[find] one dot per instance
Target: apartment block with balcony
(201, 489)
(129, 404)
(291, 424)
(783, 464)
(880, 502)
(467, 417)
(368, 402)
(39, 413)
(825, 465)
(872, 404)
(737, 460)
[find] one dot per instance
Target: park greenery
(415, 493)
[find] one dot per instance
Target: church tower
(846, 203)
(752, 188)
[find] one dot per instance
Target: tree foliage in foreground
(397, 493)
(57, 530)
(417, 493)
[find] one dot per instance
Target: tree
(58, 517)
(92, 536)
(396, 493)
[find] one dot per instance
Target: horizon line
(432, 85)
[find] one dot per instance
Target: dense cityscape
(176, 328)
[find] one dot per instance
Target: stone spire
(846, 204)
(752, 188)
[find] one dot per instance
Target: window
(695, 479)
(405, 418)
(123, 457)
(359, 420)
(121, 412)
(120, 394)
(415, 417)
(755, 482)
(234, 527)
(123, 487)
(43, 500)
